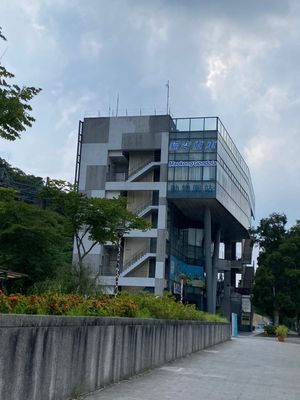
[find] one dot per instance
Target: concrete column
(208, 259)
(227, 250)
(226, 304)
(233, 250)
(217, 240)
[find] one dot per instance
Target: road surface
(246, 368)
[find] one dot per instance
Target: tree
(277, 279)
(27, 186)
(32, 240)
(91, 220)
(14, 104)
(270, 233)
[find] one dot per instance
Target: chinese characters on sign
(194, 187)
(193, 145)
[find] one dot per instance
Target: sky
(236, 59)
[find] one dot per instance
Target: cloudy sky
(236, 59)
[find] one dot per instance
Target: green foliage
(139, 305)
(14, 105)
(98, 219)
(166, 307)
(277, 279)
(270, 330)
(32, 240)
(281, 330)
(270, 233)
(68, 279)
(16, 176)
(7, 194)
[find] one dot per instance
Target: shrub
(5, 306)
(269, 330)
(139, 305)
(281, 330)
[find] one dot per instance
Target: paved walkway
(246, 368)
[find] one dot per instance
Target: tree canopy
(277, 279)
(91, 220)
(32, 240)
(15, 105)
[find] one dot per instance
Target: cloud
(32, 9)
(67, 155)
(232, 62)
(90, 46)
(264, 150)
(270, 104)
(68, 107)
(236, 60)
(216, 70)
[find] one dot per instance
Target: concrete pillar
(227, 295)
(227, 246)
(217, 240)
(208, 259)
(233, 250)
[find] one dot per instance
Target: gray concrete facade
(181, 180)
(117, 155)
(56, 358)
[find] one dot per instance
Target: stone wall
(55, 358)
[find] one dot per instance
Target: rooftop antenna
(117, 108)
(168, 95)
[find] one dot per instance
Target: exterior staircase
(142, 169)
(136, 260)
(145, 209)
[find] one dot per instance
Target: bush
(282, 330)
(269, 330)
(138, 305)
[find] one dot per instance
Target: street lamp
(120, 234)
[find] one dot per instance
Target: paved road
(246, 368)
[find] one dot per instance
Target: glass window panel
(170, 174)
(210, 124)
(181, 174)
(183, 124)
(181, 156)
(212, 173)
(209, 156)
(195, 173)
(209, 173)
(197, 124)
(199, 156)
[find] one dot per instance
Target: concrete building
(187, 178)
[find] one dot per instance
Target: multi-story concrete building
(187, 178)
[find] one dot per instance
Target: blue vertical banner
(234, 325)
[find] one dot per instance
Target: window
(209, 173)
(195, 173)
(181, 174)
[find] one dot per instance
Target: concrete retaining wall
(54, 358)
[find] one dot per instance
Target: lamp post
(120, 234)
